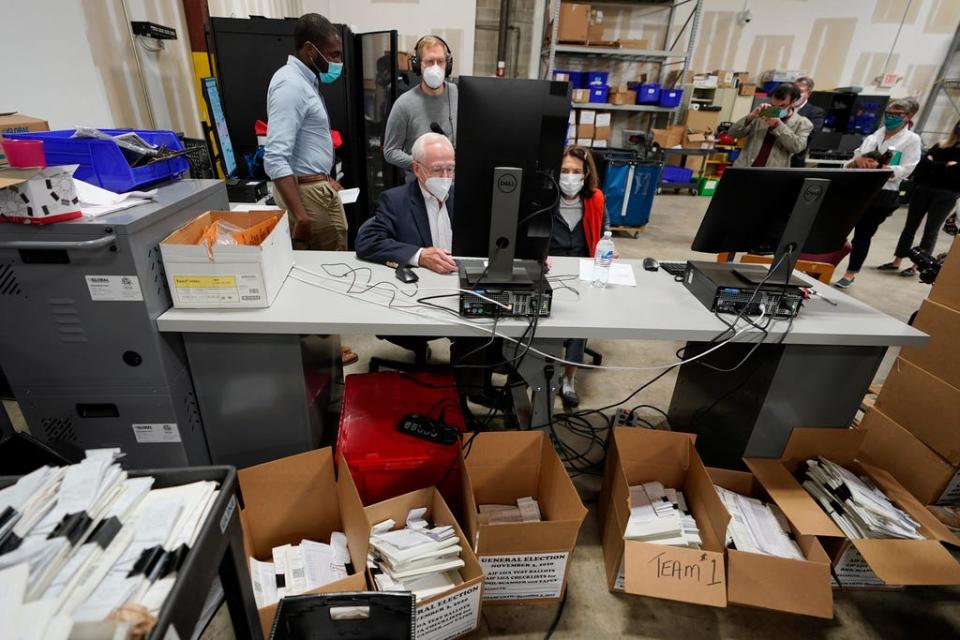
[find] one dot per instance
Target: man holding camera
(774, 132)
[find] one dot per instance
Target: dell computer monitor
(752, 205)
(507, 123)
(219, 121)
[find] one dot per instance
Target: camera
(927, 265)
(744, 17)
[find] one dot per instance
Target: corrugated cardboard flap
(675, 573)
(910, 562)
(837, 445)
(801, 509)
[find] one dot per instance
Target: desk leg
(751, 411)
(541, 376)
(252, 396)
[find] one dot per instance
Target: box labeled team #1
(228, 260)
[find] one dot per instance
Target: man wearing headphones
(430, 106)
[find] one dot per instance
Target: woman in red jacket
(578, 224)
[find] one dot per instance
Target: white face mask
(433, 76)
(571, 183)
(439, 187)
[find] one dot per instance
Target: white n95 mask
(433, 76)
(439, 187)
(571, 183)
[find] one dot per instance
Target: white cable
(467, 323)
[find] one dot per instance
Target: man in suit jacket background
(811, 112)
(413, 223)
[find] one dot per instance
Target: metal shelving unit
(606, 106)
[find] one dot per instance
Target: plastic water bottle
(603, 260)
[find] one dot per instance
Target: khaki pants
(328, 222)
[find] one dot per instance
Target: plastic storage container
(648, 93)
(597, 78)
(671, 97)
(708, 186)
(676, 174)
(102, 162)
(629, 189)
(599, 94)
(383, 461)
(577, 79)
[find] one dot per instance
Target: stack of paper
(526, 510)
(855, 504)
(88, 540)
(418, 558)
(299, 568)
(659, 515)
(757, 527)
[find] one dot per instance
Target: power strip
(625, 419)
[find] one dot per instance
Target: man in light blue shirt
(298, 155)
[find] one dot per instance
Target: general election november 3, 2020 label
(523, 576)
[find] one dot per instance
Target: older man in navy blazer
(413, 224)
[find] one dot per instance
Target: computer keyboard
(676, 269)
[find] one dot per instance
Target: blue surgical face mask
(893, 122)
(333, 69)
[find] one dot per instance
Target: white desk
(816, 377)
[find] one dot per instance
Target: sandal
(888, 267)
(843, 283)
(909, 272)
(347, 356)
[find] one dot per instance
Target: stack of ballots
(418, 558)
(526, 510)
(299, 568)
(659, 515)
(78, 543)
(855, 504)
(757, 527)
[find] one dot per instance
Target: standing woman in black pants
(905, 148)
(937, 181)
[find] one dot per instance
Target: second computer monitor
(506, 123)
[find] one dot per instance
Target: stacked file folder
(757, 527)
(418, 558)
(78, 543)
(526, 510)
(299, 568)
(659, 515)
(855, 505)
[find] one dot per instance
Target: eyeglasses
(894, 113)
(439, 171)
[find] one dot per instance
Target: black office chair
(596, 356)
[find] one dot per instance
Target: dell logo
(507, 183)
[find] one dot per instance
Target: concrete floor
(591, 610)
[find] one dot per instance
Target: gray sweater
(410, 118)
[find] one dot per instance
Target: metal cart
(693, 186)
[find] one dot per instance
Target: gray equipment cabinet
(79, 302)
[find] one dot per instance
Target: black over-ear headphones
(415, 59)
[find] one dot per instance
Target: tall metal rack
(946, 84)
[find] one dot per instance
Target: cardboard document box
(770, 582)
(941, 356)
(574, 23)
(456, 612)
(946, 289)
(227, 277)
(642, 568)
(524, 562)
(296, 498)
(892, 561)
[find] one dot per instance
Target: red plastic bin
(384, 462)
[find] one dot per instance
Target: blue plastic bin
(628, 190)
(676, 174)
(599, 94)
(102, 162)
(649, 92)
(597, 78)
(671, 97)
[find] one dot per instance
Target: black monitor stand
(501, 267)
(805, 210)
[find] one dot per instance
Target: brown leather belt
(309, 179)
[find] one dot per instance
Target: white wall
(452, 20)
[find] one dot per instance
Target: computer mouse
(651, 264)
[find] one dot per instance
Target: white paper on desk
(349, 196)
(96, 201)
(14, 581)
(621, 273)
(34, 617)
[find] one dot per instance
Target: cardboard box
(946, 290)
(296, 498)
(600, 144)
(674, 573)
(234, 277)
(705, 81)
(585, 131)
(924, 405)
(724, 78)
(623, 97)
(574, 23)
(524, 562)
(699, 141)
(670, 137)
(603, 119)
(895, 562)
(572, 119)
(580, 96)
(38, 196)
(457, 611)
(915, 465)
(604, 134)
(941, 356)
(701, 121)
(747, 89)
(571, 131)
(628, 43)
(677, 78)
(585, 142)
(769, 582)
(588, 116)
(595, 33)
(19, 123)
